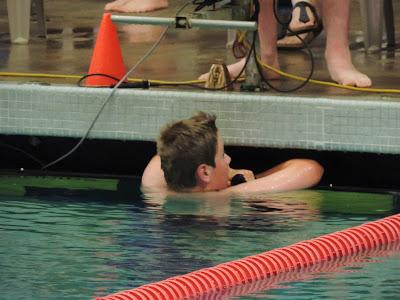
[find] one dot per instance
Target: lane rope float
(334, 247)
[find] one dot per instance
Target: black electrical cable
(83, 138)
(79, 83)
(203, 3)
(23, 152)
(144, 84)
(251, 50)
(253, 43)
(312, 63)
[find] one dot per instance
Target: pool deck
(315, 118)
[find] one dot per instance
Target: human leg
(136, 6)
(267, 32)
(336, 15)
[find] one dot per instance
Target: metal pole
(372, 22)
(185, 22)
(389, 22)
(242, 10)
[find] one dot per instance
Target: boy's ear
(203, 173)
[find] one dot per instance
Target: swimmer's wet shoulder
(191, 158)
(291, 175)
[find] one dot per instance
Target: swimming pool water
(80, 238)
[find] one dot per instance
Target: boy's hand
(248, 175)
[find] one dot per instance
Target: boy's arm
(293, 174)
(153, 175)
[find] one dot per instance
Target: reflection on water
(70, 38)
(4, 52)
(140, 33)
(80, 242)
(372, 275)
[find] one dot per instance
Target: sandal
(291, 42)
(305, 18)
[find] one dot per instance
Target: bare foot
(343, 71)
(136, 6)
(293, 41)
(234, 69)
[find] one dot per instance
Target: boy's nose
(227, 158)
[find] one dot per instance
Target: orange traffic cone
(107, 56)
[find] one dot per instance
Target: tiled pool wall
(263, 120)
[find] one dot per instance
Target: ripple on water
(82, 245)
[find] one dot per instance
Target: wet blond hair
(183, 146)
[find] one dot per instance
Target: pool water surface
(79, 238)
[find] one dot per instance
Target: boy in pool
(191, 158)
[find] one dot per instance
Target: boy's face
(220, 174)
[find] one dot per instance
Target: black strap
(201, 4)
(304, 18)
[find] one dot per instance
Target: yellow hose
(61, 76)
(191, 82)
(328, 83)
(241, 38)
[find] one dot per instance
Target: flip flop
(304, 18)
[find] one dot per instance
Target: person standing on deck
(335, 17)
